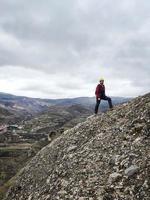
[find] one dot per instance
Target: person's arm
(97, 92)
(104, 89)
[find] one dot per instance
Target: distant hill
(55, 117)
(9, 115)
(23, 106)
(22, 103)
(86, 101)
(19, 107)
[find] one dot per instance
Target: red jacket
(100, 91)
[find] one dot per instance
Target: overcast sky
(57, 49)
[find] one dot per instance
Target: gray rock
(30, 197)
(113, 160)
(114, 177)
(71, 148)
(131, 170)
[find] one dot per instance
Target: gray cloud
(75, 42)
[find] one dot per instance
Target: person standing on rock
(100, 95)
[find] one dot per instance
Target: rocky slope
(106, 157)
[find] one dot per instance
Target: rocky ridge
(106, 157)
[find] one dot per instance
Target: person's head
(101, 80)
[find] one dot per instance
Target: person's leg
(97, 105)
(109, 101)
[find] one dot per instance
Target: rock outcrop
(106, 157)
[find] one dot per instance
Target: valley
(28, 124)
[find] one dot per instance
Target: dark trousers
(103, 98)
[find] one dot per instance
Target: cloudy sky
(57, 49)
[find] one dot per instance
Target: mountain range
(16, 108)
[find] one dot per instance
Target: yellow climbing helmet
(101, 79)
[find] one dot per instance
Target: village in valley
(8, 133)
(14, 133)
